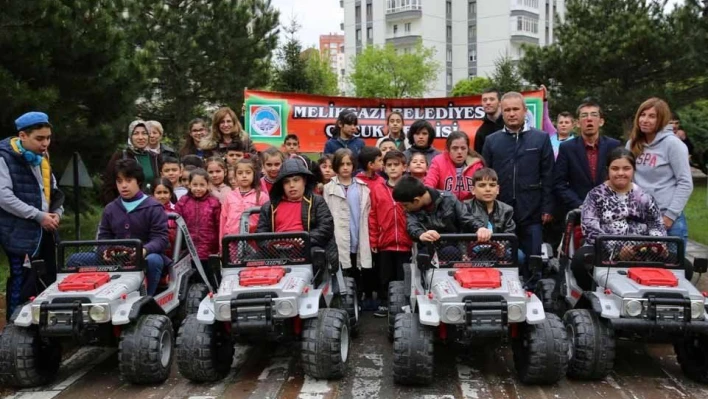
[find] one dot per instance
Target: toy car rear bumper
(662, 326)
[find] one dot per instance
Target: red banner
(270, 116)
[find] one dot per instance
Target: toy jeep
(273, 288)
(462, 290)
(99, 299)
(639, 291)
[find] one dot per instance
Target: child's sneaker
(381, 312)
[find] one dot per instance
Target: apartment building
(468, 35)
(332, 49)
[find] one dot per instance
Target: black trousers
(390, 265)
(23, 282)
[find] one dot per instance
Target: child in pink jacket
(453, 170)
(246, 194)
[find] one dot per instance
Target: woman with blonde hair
(663, 168)
(225, 128)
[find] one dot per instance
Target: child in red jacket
(387, 229)
(371, 163)
(201, 211)
(452, 170)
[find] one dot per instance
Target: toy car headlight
(223, 310)
(453, 314)
(100, 313)
(35, 314)
(285, 308)
(515, 312)
(633, 308)
(697, 309)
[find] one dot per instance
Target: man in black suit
(582, 162)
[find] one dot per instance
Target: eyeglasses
(198, 130)
(586, 115)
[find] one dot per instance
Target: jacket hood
(667, 131)
(292, 167)
(470, 160)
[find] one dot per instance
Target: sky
(316, 17)
(320, 17)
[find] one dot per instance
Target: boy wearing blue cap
(30, 205)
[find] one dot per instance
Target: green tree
(204, 53)
(72, 60)
(621, 52)
(383, 72)
(470, 87)
(290, 72)
(323, 79)
(506, 76)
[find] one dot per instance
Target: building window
(369, 33)
(472, 9)
(528, 3)
(369, 13)
(407, 27)
(407, 50)
(449, 79)
(357, 12)
(358, 35)
(448, 8)
(526, 24)
(393, 6)
(395, 30)
(473, 53)
(449, 55)
(472, 34)
(449, 32)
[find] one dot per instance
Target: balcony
(398, 10)
(404, 40)
(525, 6)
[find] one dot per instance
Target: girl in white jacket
(349, 201)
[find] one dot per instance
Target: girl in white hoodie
(663, 168)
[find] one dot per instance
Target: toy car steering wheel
(647, 252)
(475, 249)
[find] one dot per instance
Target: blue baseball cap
(31, 118)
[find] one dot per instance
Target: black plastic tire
(26, 360)
(351, 305)
(325, 344)
(692, 356)
(396, 301)
(546, 291)
(146, 349)
(204, 351)
(407, 277)
(541, 351)
(413, 352)
(195, 294)
(592, 344)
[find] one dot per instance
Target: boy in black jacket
(432, 212)
(294, 207)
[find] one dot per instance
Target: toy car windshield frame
(87, 256)
(266, 249)
(669, 252)
(464, 250)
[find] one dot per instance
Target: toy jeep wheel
(592, 344)
(325, 344)
(396, 301)
(412, 351)
(145, 350)
(204, 351)
(26, 359)
(195, 294)
(545, 291)
(351, 305)
(541, 351)
(692, 355)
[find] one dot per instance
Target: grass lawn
(697, 214)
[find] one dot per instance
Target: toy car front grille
(71, 300)
(485, 314)
(256, 295)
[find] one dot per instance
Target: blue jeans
(155, 264)
(679, 229)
